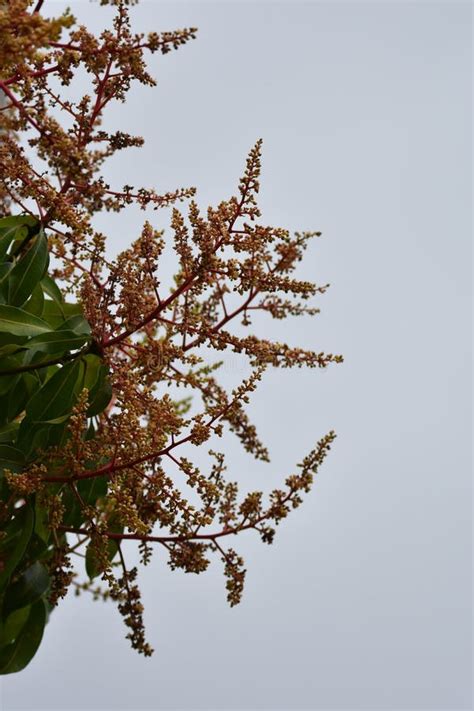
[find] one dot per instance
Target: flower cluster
(127, 472)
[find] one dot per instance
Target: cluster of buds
(131, 477)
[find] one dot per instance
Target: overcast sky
(364, 600)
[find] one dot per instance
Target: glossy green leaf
(56, 396)
(90, 491)
(14, 227)
(56, 342)
(93, 568)
(20, 323)
(33, 436)
(97, 382)
(24, 523)
(8, 432)
(77, 324)
(12, 626)
(5, 269)
(11, 458)
(17, 398)
(35, 303)
(93, 364)
(51, 289)
(56, 313)
(30, 585)
(14, 221)
(100, 398)
(9, 349)
(28, 271)
(7, 382)
(42, 529)
(52, 314)
(15, 656)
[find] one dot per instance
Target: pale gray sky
(364, 601)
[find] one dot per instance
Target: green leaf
(53, 314)
(35, 303)
(14, 227)
(33, 436)
(56, 342)
(5, 269)
(22, 529)
(11, 458)
(17, 398)
(56, 312)
(97, 382)
(15, 656)
(93, 364)
(100, 398)
(7, 382)
(51, 289)
(90, 491)
(42, 529)
(9, 349)
(27, 589)
(8, 432)
(93, 568)
(17, 221)
(55, 397)
(77, 324)
(20, 323)
(28, 271)
(13, 625)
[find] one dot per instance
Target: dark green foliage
(45, 362)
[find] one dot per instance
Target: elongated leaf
(13, 625)
(96, 381)
(15, 656)
(14, 227)
(100, 398)
(28, 271)
(8, 432)
(53, 314)
(42, 529)
(56, 342)
(93, 567)
(7, 382)
(25, 520)
(33, 436)
(5, 269)
(11, 458)
(90, 491)
(76, 323)
(8, 349)
(51, 289)
(56, 313)
(15, 221)
(17, 398)
(35, 303)
(56, 396)
(20, 323)
(27, 589)
(93, 365)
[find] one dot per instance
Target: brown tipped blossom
(159, 338)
